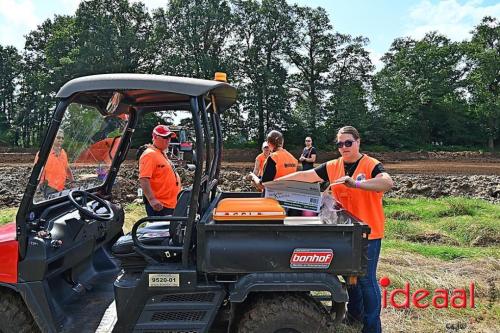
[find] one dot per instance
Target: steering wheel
(80, 199)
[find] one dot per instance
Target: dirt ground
(432, 175)
(470, 174)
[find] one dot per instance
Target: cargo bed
(256, 246)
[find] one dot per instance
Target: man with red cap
(159, 181)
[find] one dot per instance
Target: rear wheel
(284, 313)
(14, 315)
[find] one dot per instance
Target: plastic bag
(329, 209)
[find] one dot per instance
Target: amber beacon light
(220, 76)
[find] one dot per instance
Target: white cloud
(448, 17)
(16, 17)
(19, 17)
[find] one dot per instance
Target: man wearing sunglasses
(308, 156)
(358, 183)
(159, 181)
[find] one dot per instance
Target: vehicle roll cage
(208, 150)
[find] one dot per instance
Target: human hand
(346, 180)
(157, 206)
(302, 158)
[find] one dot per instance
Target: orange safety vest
(365, 205)
(261, 160)
(285, 163)
(55, 170)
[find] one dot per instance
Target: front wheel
(14, 315)
(284, 313)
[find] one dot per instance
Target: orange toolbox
(249, 210)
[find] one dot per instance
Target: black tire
(14, 315)
(284, 313)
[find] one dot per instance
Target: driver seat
(155, 233)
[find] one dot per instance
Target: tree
(483, 76)
(9, 78)
(349, 86)
(260, 32)
(111, 37)
(418, 92)
(191, 37)
(310, 47)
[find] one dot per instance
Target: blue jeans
(364, 297)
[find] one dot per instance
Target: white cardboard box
(294, 194)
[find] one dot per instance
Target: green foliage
(418, 92)
(293, 72)
(483, 77)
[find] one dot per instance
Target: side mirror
(114, 102)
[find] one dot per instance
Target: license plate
(164, 280)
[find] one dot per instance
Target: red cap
(163, 131)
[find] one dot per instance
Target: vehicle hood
(8, 232)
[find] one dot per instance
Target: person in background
(56, 171)
(358, 183)
(279, 163)
(260, 160)
(158, 179)
(308, 156)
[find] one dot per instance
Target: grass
(442, 243)
(133, 212)
(430, 243)
(446, 228)
(7, 215)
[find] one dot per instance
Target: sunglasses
(346, 143)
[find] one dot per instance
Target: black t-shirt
(269, 170)
(308, 153)
(349, 169)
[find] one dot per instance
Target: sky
(380, 20)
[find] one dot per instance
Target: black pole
(193, 207)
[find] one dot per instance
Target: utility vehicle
(224, 262)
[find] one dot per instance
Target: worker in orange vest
(260, 160)
(279, 163)
(358, 182)
(159, 181)
(56, 169)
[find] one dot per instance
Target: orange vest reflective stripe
(365, 205)
(285, 163)
(261, 159)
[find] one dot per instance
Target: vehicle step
(191, 312)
